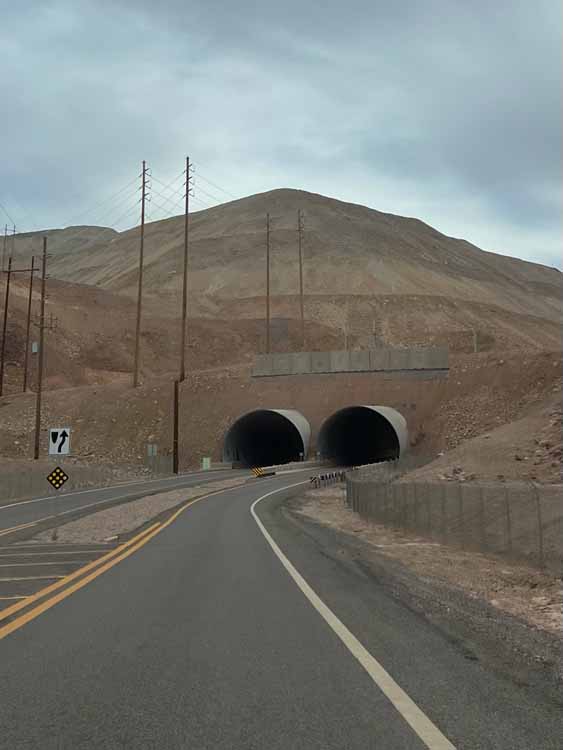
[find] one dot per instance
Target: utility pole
(140, 289)
(300, 228)
(267, 283)
(185, 283)
(5, 324)
(175, 442)
(28, 326)
(5, 247)
(41, 352)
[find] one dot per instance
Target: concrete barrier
(339, 361)
(320, 362)
(359, 361)
(431, 360)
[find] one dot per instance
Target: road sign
(206, 463)
(34, 347)
(59, 441)
(57, 478)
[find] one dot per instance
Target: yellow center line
(49, 589)
(121, 553)
(7, 598)
(11, 529)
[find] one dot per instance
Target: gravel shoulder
(510, 614)
(107, 525)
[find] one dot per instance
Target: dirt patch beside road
(531, 595)
(122, 519)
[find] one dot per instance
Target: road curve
(16, 512)
(202, 638)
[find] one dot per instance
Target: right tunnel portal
(359, 435)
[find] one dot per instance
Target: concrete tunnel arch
(359, 435)
(264, 437)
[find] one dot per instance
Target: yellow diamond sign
(57, 478)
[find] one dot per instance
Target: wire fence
(520, 520)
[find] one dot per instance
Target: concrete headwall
(386, 359)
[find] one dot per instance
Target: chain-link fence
(517, 519)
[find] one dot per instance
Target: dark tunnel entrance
(360, 435)
(267, 436)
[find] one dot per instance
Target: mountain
(364, 271)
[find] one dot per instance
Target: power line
(213, 184)
(213, 197)
(103, 201)
(7, 214)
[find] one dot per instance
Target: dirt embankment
(526, 593)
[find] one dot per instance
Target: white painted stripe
(9, 598)
(411, 713)
(40, 554)
(41, 564)
(66, 495)
(30, 578)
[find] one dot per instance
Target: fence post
(508, 521)
(443, 511)
(482, 516)
(461, 519)
(540, 526)
(416, 506)
(428, 517)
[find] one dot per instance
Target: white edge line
(411, 713)
(66, 495)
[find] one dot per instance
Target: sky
(446, 110)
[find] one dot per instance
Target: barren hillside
(370, 278)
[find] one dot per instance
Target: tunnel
(360, 435)
(265, 437)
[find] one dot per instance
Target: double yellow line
(97, 567)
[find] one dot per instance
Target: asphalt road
(17, 513)
(208, 636)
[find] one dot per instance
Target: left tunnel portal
(267, 436)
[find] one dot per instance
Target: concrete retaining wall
(428, 359)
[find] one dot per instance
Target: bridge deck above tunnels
(359, 435)
(265, 437)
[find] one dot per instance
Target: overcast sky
(447, 110)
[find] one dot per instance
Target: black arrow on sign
(64, 435)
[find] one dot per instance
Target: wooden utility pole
(267, 283)
(5, 247)
(140, 289)
(185, 282)
(5, 324)
(41, 353)
(28, 326)
(175, 441)
(300, 228)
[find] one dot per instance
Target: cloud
(448, 111)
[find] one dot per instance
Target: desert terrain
(370, 279)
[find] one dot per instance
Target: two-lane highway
(230, 629)
(16, 514)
